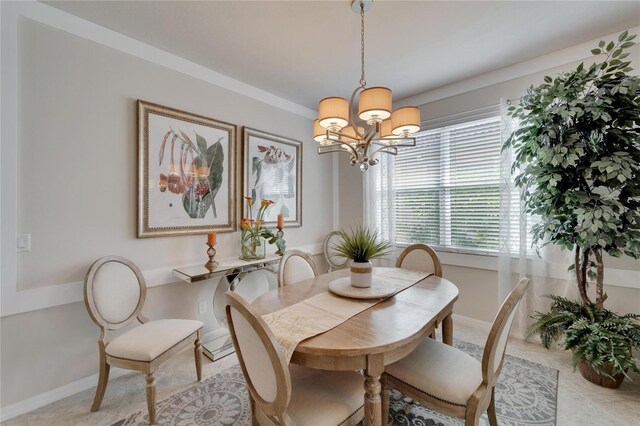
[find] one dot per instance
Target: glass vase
(252, 246)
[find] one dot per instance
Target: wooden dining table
(378, 336)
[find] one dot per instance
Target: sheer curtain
(379, 203)
(546, 268)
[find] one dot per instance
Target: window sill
(477, 259)
(489, 261)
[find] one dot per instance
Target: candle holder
(280, 243)
(211, 252)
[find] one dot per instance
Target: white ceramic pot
(361, 274)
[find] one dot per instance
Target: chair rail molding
(15, 301)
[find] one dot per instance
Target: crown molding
(72, 24)
(549, 61)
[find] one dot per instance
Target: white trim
(21, 407)
(18, 408)
(12, 300)
(472, 322)
(613, 277)
(75, 25)
(575, 53)
(62, 294)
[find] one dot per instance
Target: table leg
(385, 400)
(447, 330)
(372, 387)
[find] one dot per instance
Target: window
(447, 188)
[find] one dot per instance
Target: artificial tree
(577, 158)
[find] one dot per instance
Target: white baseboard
(46, 398)
(483, 325)
(18, 408)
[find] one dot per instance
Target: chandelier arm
(352, 120)
(326, 149)
(392, 150)
(347, 146)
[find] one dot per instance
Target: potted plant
(361, 246)
(577, 158)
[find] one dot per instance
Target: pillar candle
(211, 238)
(280, 221)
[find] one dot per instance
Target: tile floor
(580, 403)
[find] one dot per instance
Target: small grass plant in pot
(361, 246)
(577, 159)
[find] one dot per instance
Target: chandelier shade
(374, 104)
(340, 126)
(333, 113)
(385, 130)
(319, 132)
(405, 120)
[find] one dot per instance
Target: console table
(231, 272)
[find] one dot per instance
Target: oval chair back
(262, 363)
(494, 349)
(114, 292)
(420, 257)
(335, 262)
(296, 266)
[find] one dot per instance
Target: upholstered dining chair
(114, 294)
(448, 380)
(420, 257)
(296, 266)
(335, 262)
(288, 395)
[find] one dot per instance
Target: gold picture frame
(187, 167)
(272, 169)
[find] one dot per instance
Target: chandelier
(375, 129)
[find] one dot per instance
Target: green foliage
(361, 245)
(597, 335)
(577, 154)
(213, 158)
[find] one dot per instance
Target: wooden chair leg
(151, 398)
(447, 330)
(471, 418)
(491, 411)
(254, 415)
(384, 396)
(103, 379)
(198, 356)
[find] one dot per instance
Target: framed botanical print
(186, 173)
(272, 170)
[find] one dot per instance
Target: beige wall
(77, 186)
(479, 293)
(351, 195)
(478, 287)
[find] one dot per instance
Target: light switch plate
(23, 243)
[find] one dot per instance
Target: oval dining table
(378, 336)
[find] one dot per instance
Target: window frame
(490, 112)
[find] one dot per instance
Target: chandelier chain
(363, 81)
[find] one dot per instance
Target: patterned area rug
(526, 394)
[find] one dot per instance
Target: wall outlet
(23, 243)
(203, 307)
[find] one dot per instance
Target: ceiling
(306, 50)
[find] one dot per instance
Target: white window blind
(447, 188)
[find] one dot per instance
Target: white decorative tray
(342, 287)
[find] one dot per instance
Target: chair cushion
(149, 340)
(440, 371)
(321, 397)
